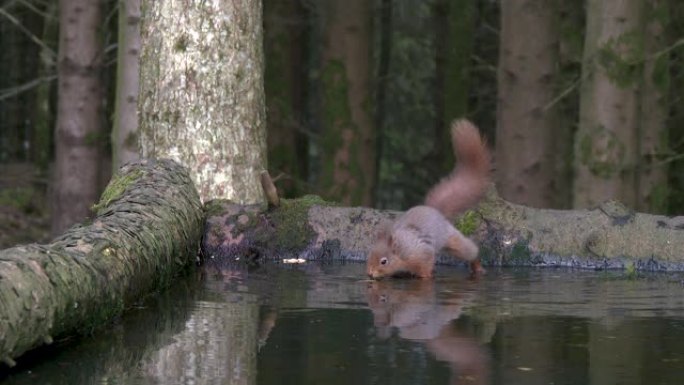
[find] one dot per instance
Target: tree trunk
(44, 121)
(125, 128)
(348, 135)
(10, 102)
(202, 99)
(526, 120)
(608, 237)
(147, 230)
(566, 101)
(285, 85)
(78, 130)
(385, 41)
(652, 135)
(676, 102)
(605, 144)
(454, 48)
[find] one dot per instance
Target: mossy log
(146, 231)
(607, 237)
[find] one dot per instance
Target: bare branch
(28, 33)
(14, 91)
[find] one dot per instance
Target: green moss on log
(292, 218)
(468, 222)
(116, 187)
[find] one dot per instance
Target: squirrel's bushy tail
(470, 179)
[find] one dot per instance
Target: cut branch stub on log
(607, 237)
(146, 231)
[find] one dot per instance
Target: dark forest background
(581, 101)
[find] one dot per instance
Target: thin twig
(563, 94)
(14, 91)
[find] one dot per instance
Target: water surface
(327, 324)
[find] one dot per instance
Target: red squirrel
(409, 245)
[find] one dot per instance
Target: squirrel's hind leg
(463, 248)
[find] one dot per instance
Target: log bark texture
(146, 231)
(609, 236)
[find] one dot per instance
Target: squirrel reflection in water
(415, 311)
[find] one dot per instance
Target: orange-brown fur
(409, 245)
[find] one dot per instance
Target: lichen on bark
(202, 100)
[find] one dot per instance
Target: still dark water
(326, 324)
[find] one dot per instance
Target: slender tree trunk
(652, 171)
(571, 25)
(32, 23)
(285, 86)
(606, 140)
(78, 112)
(44, 121)
(676, 102)
(348, 137)
(526, 121)
(454, 48)
(202, 95)
(10, 104)
(385, 41)
(125, 128)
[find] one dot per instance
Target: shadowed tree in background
(652, 170)
(384, 54)
(454, 28)
(10, 104)
(606, 140)
(202, 93)
(125, 128)
(527, 121)
(675, 159)
(20, 39)
(285, 34)
(43, 128)
(347, 142)
(571, 16)
(78, 129)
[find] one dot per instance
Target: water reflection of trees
(311, 324)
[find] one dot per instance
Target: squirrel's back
(470, 179)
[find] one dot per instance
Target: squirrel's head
(385, 259)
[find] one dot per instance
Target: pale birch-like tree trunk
(348, 137)
(606, 140)
(202, 95)
(653, 139)
(526, 121)
(79, 107)
(125, 128)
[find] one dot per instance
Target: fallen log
(146, 231)
(609, 236)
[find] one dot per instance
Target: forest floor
(17, 227)
(24, 214)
